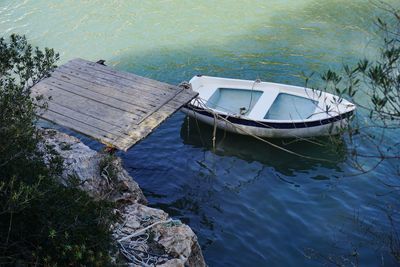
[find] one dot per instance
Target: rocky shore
(144, 236)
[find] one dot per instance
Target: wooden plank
(94, 74)
(151, 106)
(116, 108)
(147, 126)
(88, 76)
(107, 83)
(80, 127)
(140, 131)
(122, 74)
(177, 101)
(121, 92)
(107, 98)
(113, 82)
(106, 128)
(87, 106)
(182, 99)
(161, 104)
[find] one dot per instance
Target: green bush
(41, 221)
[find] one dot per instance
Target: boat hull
(330, 126)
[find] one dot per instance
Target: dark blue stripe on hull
(274, 125)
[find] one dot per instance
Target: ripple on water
(249, 204)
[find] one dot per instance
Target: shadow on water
(327, 152)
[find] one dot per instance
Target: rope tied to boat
(214, 138)
(243, 110)
(202, 105)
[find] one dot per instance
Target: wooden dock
(114, 107)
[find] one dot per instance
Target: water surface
(250, 204)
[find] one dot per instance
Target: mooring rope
(135, 247)
(214, 130)
(143, 230)
(218, 116)
(251, 95)
(202, 101)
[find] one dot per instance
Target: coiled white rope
(143, 230)
(135, 247)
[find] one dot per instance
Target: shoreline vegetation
(62, 203)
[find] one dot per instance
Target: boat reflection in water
(324, 152)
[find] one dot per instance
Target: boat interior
(284, 106)
(264, 100)
(231, 100)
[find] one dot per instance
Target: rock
(83, 164)
(156, 237)
(176, 242)
(172, 263)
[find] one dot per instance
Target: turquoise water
(250, 204)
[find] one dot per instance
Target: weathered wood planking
(114, 107)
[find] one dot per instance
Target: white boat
(267, 109)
